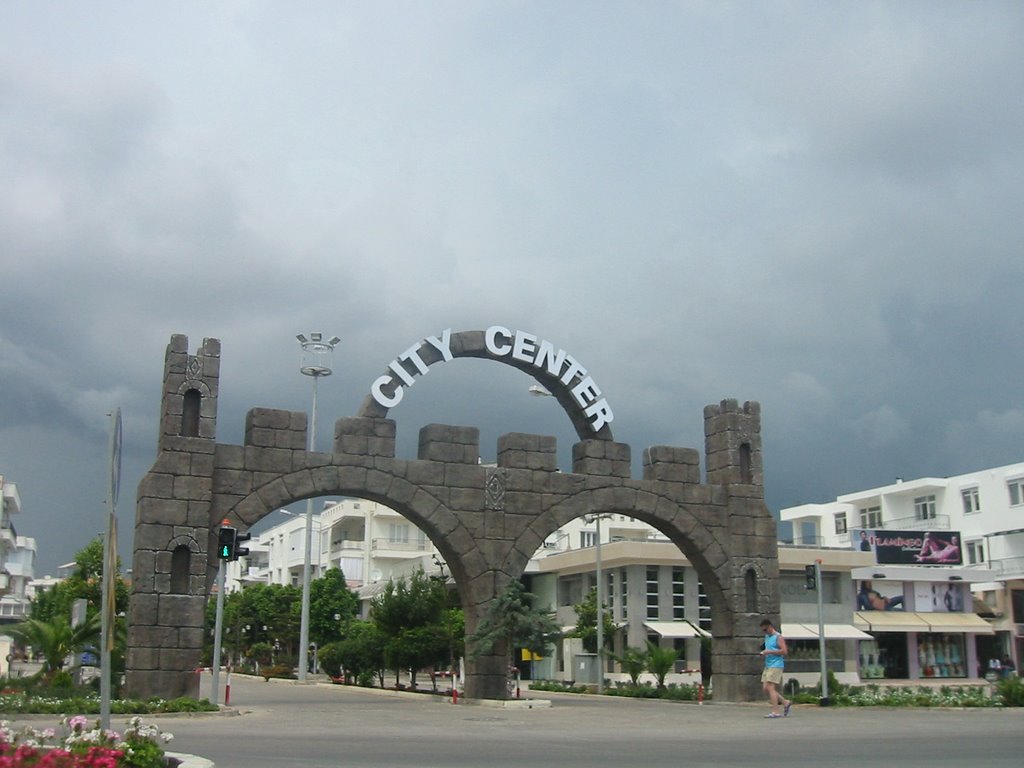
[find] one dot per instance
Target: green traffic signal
(226, 538)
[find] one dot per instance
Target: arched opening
(656, 584)
(190, 413)
(750, 590)
(746, 473)
(181, 566)
(360, 550)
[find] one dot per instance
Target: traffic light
(241, 551)
(226, 539)
(811, 576)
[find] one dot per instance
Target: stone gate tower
(172, 528)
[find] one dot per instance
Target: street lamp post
(316, 362)
(538, 391)
(600, 602)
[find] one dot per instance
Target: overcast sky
(812, 205)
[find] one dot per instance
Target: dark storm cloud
(813, 206)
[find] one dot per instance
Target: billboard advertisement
(910, 547)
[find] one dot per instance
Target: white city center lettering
(500, 342)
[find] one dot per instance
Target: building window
(703, 608)
(624, 591)
(1016, 492)
(678, 594)
(972, 502)
(750, 580)
(975, 552)
(398, 533)
(652, 593)
(588, 539)
(190, 408)
(841, 523)
(181, 569)
(871, 517)
(746, 474)
(924, 508)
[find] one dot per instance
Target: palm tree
(660, 661)
(56, 639)
(634, 663)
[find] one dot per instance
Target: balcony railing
(816, 542)
(1009, 567)
(914, 523)
(17, 610)
(400, 546)
(337, 546)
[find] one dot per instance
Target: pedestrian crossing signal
(226, 539)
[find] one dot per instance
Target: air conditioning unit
(549, 545)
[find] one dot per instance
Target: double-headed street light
(538, 391)
(316, 361)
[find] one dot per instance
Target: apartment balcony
(347, 545)
(14, 609)
(1008, 568)
(398, 550)
(818, 542)
(914, 523)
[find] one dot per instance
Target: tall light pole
(600, 600)
(316, 361)
(538, 391)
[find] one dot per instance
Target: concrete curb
(190, 761)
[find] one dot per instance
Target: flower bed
(81, 745)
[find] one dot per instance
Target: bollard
(227, 688)
(700, 694)
(455, 695)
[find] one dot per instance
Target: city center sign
(560, 372)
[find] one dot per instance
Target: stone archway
(486, 521)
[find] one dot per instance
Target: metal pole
(600, 612)
(107, 614)
(821, 635)
(218, 627)
(105, 631)
(304, 623)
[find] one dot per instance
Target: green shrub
(329, 657)
(557, 686)
(183, 704)
(791, 688)
(286, 671)
(1011, 692)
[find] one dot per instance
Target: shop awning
(890, 621)
(832, 632)
(673, 629)
(958, 622)
(842, 632)
(798, 632)
(922, 621)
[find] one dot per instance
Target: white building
(981, 512)
(20, 566)
(10, 504)
(369, 542)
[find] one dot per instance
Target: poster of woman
(882, 596)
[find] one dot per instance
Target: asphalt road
(285, 724)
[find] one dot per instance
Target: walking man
(774, 653)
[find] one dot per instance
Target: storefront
(919, 621)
